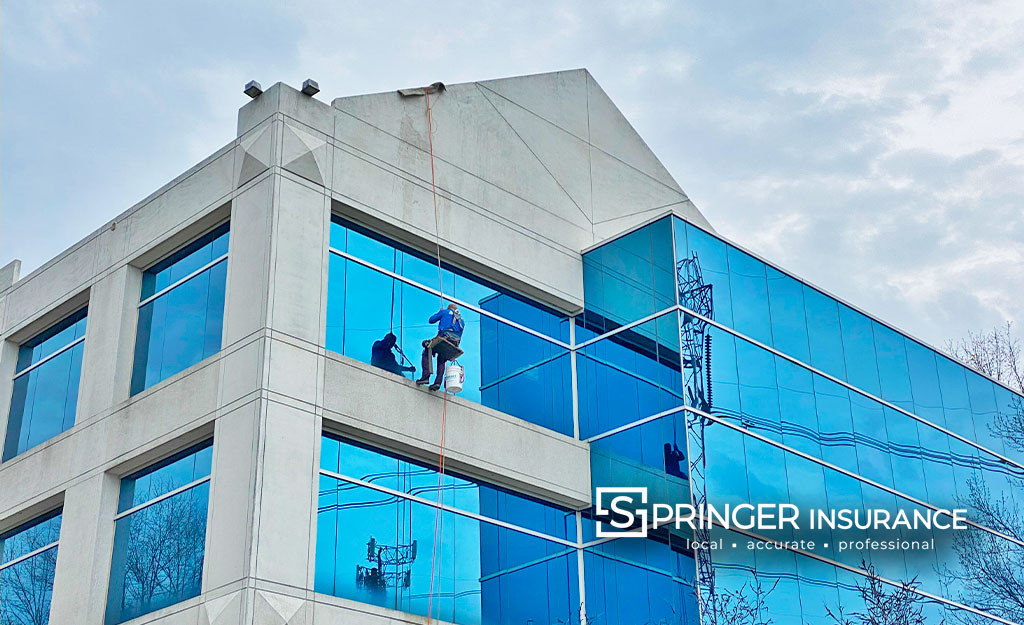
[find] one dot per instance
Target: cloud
(876, 149)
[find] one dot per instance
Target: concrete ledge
(381, 408)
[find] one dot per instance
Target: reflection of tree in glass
(164, 557)
(884, 604)
(25, 588)
(991, 571)
(744, 606)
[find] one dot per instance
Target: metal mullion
(178, 283)
(445, 507)
(851, 387)
(628, 326)
(30, 554)
(48, 358)
(165, 496)
(521, 370)
(526, 565)
(460, 302)
(633, 424)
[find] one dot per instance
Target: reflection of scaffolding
(392, 568)
(695, 347)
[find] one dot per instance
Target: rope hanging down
(444, 401)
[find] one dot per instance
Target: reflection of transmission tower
(392, 568)
(695, 345)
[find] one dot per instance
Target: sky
(875, 149)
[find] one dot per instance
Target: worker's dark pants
(445, 347)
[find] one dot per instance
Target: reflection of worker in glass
(382, 355)
(674, 459)
(446, 344)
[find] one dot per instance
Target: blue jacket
(449, 322)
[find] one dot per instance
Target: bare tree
(747, 605)
(990, 575)
(997, 353)
(884, 604)
(25, 589)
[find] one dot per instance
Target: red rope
(444, 402)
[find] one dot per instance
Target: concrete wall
(529, 171)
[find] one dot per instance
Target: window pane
(629, 376)
(43, 400)
(420, 479)
(158, 555)
(506, 367)
(52, 340)
(376, 548)
(422, 268)
(180, 328)
(190, 258)
(26, 590)
(159, 479)
(632, 276)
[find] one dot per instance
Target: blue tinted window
(159, 548)
(458, 284)
(631, 276)
(631, 581)
(45, 389)
(507, 368)
(416, 478)
(185, 261)
(26, 585)
(629, 376)
(377, 548)
(183, 325)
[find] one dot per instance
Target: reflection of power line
(695, 353)
(861, 440)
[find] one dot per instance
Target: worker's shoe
(423, 381)
(435, 386)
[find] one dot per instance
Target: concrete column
(302, 218)
(284, 492)
(245, 305)
(230, 524)
(8, 365)
(109, 342)
(83, 556)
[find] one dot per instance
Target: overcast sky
(876, 149)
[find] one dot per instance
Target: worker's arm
(434, 318)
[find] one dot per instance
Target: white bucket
(454, 376)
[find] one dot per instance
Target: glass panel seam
(450, 298)
(178, 283)
(447, 508)
(526, 565)
(633, 424)
(167, 495)
(48, 358)
(29, 555)
(521, 370)
(628, 326)
(838, 300)
(851, 387)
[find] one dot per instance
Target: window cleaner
(445, 345)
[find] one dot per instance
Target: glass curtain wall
(45, 390)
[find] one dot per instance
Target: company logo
(621, 512)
